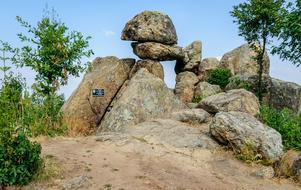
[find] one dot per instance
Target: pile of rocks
(156, 40)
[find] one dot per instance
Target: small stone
(77, 183)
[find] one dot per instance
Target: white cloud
(108, 33)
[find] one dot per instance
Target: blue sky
(208, 21)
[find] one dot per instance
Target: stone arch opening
(169, 73)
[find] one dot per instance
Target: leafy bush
(197, 99)
(219, 77)
(35, 114)
(19, 158)
(286, 123)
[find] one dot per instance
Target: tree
(258, 22)
(3, 57)
(52, 51)
(290, 35)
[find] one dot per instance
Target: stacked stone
(156, 40)
(154, 37)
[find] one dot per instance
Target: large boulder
(240, 130)
(185, 84)
(150, 26)
(174, 135)
(250, 83)
(192, 58)
(233, 100)
(204, 89)
(242, 61)
(206, 66)
(154, 67)
(82, 110)
(290, 165)
(144, 97)
(285, 95)
(157, 51)
(171, 133)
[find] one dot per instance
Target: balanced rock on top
(150, 26)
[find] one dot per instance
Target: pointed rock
(84, 111)
(145, 96)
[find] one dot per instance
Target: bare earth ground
(137, 165)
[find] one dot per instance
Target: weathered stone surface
(157, 51)
(204, 89)
(192, 58)
(240, 61)
(250, 83)
(185, 84)
(154, 67)
(144, 97)
(171, 133)
(290, 165)
(233, 100)
(206, 65)
(82, 110)
(191, 116)
(150, 26)
(192, 105)
(285, 94)
(239, 129)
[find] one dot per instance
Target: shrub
(238, 83)
(219, 77)
(286, 123)
(197, 99)
(35, 114)
(19, 158)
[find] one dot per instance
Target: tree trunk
(260, 71)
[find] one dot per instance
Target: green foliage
(286, 123)
(241, 84)
(290, 35)
(197, 99)
(19, 158)
(219, 77)
(52, 51)
(249, 154)
(258, 21)
(35, 114)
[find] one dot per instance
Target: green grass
(286, 123)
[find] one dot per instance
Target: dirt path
(137, 165)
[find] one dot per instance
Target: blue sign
(99, 92)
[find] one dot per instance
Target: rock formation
(204, 90)
(144, 97)
(150, 26)
(233, 100)
(82, 110)
(240, 130)
(185, 84)
(206, 65)
(242, 61)
(285, 95)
